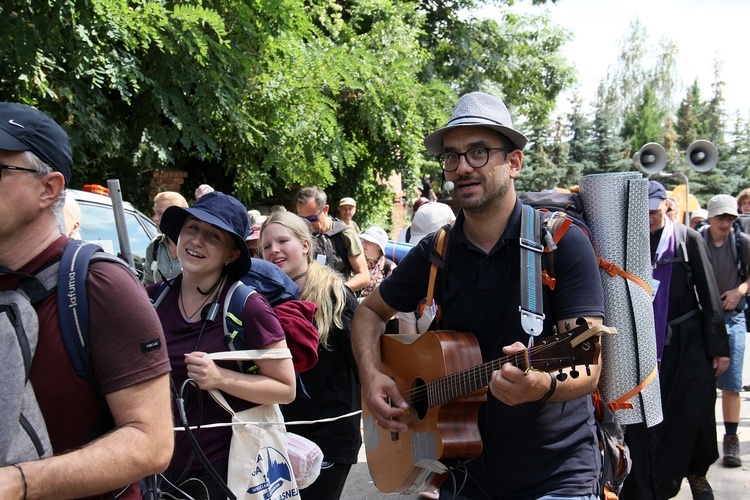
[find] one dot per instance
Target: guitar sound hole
(420, 402)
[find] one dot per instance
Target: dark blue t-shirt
(533, 449)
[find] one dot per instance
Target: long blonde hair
(323, 286)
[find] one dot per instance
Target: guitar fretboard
(465, 382)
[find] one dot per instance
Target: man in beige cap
(347, 209)
(730, 255)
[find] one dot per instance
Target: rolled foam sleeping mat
(397, 250)
(616, 211)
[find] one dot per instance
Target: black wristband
(552, 387)
(23, 477)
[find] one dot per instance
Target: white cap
(429, 218)
(701, 212)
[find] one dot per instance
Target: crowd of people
(538, 431)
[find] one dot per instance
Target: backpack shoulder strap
(532, 307)
(155, 244)
(338, 241)
(164, 287)
(737, 250)
(438, 260)
(233, 305)
(73, 306)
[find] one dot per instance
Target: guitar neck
(465, 382)
(551, 353)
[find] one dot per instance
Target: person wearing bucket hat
(211, 247)
(729, 248)
(373, 242)
(481, 154)
(332, 386)
(127, 342)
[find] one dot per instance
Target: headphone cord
(194, 442)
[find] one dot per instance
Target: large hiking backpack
(546, 216)
(24, 437)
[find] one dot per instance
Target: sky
(704, 30)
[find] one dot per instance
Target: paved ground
(728, 484)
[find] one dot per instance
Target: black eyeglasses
(312, 218)
(11, 167)
(475, 157)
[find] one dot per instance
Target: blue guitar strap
(532, 305)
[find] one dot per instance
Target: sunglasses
(312, 218)
(11, 167)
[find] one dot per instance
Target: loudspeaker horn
(702, 155)
(651, 158)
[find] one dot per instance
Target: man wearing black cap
(538, 431)
(692, 349)
(127, 343)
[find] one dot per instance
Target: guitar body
(411, 461)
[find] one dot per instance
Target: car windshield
(98, 226)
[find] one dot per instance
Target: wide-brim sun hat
(477, 109)
(375, 235)
(220, 210)
(430, 217)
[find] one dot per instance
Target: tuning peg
(574, 373)
(588, 371)
(562, 377)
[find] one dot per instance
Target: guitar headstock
(577, 347)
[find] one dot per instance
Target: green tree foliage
(628, 81)
(645, 123)
(610, 153)
(132, 81)
(259, 98)
(580, 145)
(691, 124)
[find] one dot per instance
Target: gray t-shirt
(723, 260)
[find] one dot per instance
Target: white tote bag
(259, 465)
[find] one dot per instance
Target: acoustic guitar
(443, 378)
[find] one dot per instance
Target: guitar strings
(437, 388)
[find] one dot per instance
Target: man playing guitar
(538, 433)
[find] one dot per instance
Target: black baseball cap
(23, 128)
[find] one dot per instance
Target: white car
(98, 225)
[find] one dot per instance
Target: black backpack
(331, 244)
